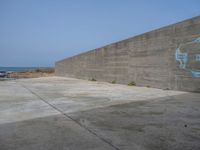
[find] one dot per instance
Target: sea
(21, 69)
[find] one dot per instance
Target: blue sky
(40, 32)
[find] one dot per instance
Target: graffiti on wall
(188, 56)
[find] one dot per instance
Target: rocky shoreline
(32, 74)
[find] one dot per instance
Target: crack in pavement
(66, 115)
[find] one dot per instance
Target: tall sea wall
(167, 58)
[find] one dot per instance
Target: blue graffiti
(195, 74)
(183, 59)
(198, 57)
(197, 40)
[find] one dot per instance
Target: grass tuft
(132, 83)
(93, 79)
(113, 82)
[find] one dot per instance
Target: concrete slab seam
(67, 116)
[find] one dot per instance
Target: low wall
(167, 58)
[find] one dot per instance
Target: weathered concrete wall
(167, 58)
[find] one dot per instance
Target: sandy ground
(56, 113)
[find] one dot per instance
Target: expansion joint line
(66, 115)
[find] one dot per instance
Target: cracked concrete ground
(55, 113)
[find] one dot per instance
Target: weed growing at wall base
(132, 83)
(92, 79)
(113, 82)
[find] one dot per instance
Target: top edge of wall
(130, 38)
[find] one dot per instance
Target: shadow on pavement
(170, 124)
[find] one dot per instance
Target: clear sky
(40, 32)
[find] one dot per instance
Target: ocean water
(20, 69)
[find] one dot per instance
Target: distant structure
(166, 58)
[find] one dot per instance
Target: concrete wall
(167, 58)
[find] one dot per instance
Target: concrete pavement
(55, 113)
